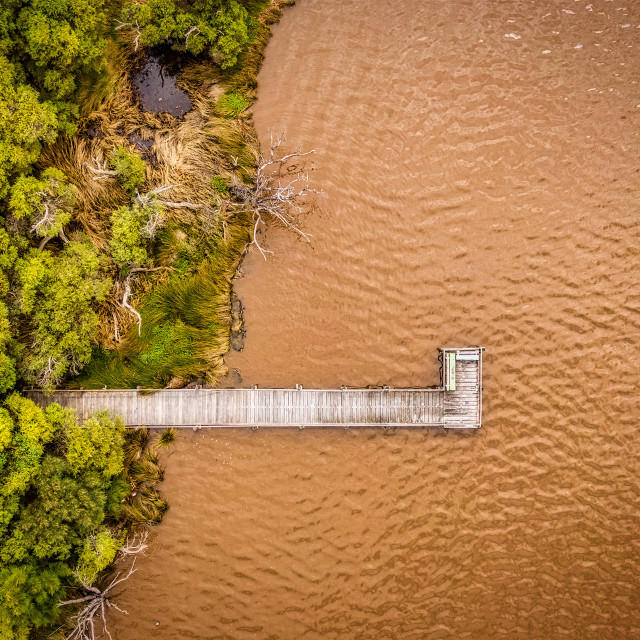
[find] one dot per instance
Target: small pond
(157, 88)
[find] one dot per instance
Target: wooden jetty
(455, 404)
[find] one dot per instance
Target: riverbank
(185, 301)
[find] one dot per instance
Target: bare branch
(76, 601)
(135, 545)
(180, 205)
(97, 601)
(151, 196)
(43, 242)
(193, 30)
(116, 332)
(100, 171)
(125, 303)
(270, 197)
(132, 25)
(146, 269)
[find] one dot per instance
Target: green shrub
(231, 105)
(220, 184)
(129, 167)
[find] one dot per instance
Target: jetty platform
(455, 404)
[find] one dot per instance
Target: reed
(142, 471)
(185, 308)
(146, 507)
(135, 441)
(167, 437)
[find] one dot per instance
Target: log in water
(480, 166)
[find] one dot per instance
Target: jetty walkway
(455, 404)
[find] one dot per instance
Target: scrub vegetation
(117, 257)
(120, 233)
(71, 497)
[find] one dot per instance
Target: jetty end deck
(455, 404)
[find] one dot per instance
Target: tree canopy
(25, 123)
(46, 203)
(61, 485)
(56, 298)
(219, 27)
(129, 168)
(131, 228)
(54, 40)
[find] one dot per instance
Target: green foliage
(25, 123)
(131, 227)
(52, 510)
(7, 365)
(55, 40)
(219, 27)
(99, 551)
(127, 247)
(129, 167)
(231, 104)
(185, 324)
(56, 297)
(220, 184)
(147, 507)
(146, 469)
(29, 593)
(96, 445)
(44, 46)
(47, 204)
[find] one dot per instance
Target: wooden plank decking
(292, 407)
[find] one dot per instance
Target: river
(480, 168)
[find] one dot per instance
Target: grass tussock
(142, 471)
(167, 437)
(146, 507)
(185, 307)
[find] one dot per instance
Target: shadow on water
(157, 88)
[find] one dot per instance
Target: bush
(129, 167)
(231, 105)
(54, 509)
(220, 184)
(217, 28)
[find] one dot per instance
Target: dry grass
(186, 307)
(144, 505)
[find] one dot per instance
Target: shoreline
(200, 251)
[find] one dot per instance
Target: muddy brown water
(480, 167)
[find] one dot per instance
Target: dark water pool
(157, 88)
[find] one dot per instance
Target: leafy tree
(96, 445)
(130, 227)
(7, 364)
(56, 296)
(216, 26)
(99, 551)
(25, 123)
(129, 167)
(8, 256)
(53, 512)
(47, 204)
(54, 40)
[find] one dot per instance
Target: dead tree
(151, 197)
(97, 602)
(100, 171)
(272, 195)
(135, 27)
(127, 294)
